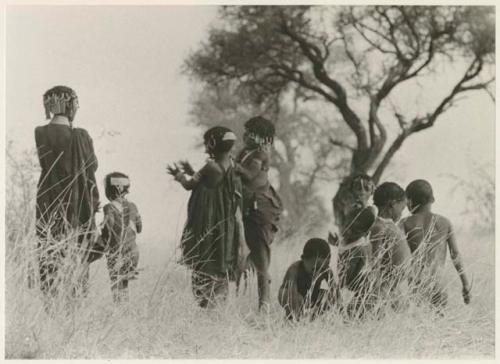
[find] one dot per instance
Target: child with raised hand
(262, 204)
(429, 235)
(212, 242)
(301, 292)
(122, 222)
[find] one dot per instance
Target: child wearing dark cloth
(301, 292)
(122, 222)
(262, 205)
(429, 235)
(67, 197)
(212, 242)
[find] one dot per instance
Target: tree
(351, 61)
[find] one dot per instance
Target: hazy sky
(125, 63)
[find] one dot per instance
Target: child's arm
(243, 251)
(401, 253)
(107, 224)
(180, 177)
(137, 219)
(259, 161)
(457, 262)
(288, 295)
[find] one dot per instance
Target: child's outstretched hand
(175, 171)
(187, 168)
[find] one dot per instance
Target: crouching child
(301, 292)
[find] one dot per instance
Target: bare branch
(341, 144)
(321, 75)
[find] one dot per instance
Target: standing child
(429, 235)
(262, 205)
(301, 290)
(121, 224)
(211, 240)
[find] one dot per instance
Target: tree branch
(321, 75)
(341, 144)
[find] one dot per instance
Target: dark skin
(289, 295)
(253, 165)
(437, 233)
(210, 174)
(380, 233)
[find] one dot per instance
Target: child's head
(60, 100)
(316, 255)
(419, 193)
(361, 187)
(218, 140)
(259, 132)
(116, 185)
(359, 223)
(390, 200)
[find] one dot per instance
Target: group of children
(68, 199)
(233, 216)
(379, 251)
(233, 213)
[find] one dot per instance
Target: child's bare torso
(427, 235)
(255, 160)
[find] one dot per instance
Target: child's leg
(220, 289)
(199, 285)
(259, 238)
(291, 301)
(439, 297)
(120, 291)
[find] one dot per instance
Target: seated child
(354, 256)
(121, 224)
(354, 247)
(429, 235)
(390, 254)
(301, 290)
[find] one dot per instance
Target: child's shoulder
(442, 221)
(293, 269)
(257, 153)
(107, 208)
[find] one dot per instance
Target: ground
(162, 320)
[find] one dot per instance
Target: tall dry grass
(162, 320)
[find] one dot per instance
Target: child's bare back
(428, 236)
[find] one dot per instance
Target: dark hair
(260, 126)
(360, 221)
(112, 192)
(386, 193)
(419, 192)
(60, 90)
(60, 100)
(213, 139)
(316, 248)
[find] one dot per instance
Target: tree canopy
(348, 63)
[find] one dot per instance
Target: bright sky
(125, 63)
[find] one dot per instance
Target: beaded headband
(55, 103)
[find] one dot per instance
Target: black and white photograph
(249, 181)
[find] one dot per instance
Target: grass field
(162, 320)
